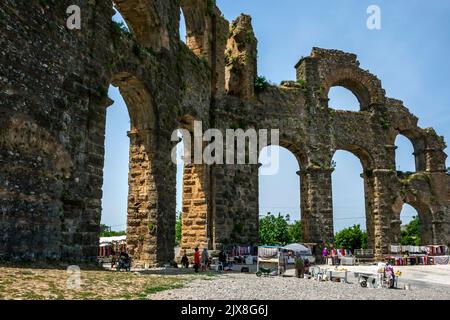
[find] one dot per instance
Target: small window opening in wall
(341, 98)
(404, 154)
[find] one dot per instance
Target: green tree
(411, 233)
(178, 225)
(104, 228)
(273, 230)
(351, 238)
(295, 231)
(106, 231)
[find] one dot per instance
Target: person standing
(334, 256)
(390, 275)
(325, 254)
(223, 259)
(307, 265)
(205, 259)
(299, 267)
(196, 260)
(185, 260)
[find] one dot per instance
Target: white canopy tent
(298, 249)
(104, 241)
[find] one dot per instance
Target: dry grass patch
(32, 284)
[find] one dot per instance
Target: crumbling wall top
(325, 69)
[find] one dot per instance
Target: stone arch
(417, 153)
(356, 87)
(292, 185)
(337, 68)
(297, 150)
(207, 33)
(315, 192)
(434, 154)
(299, 153)
(366, 158)
(340, 98)
(149, 227)
(428, 146)
(144, 21)
(367, 163)
(366, 87)
(196, 18)
(418, 141)
(425, 217)
(141, 108)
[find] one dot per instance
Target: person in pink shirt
(389, 272)
(325, 253)
(334, 256)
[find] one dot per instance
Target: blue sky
(409, 54)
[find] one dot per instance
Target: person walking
(196, 260)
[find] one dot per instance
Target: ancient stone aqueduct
(53, 102)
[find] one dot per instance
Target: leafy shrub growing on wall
(261, 84)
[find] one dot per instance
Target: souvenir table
(402, 255)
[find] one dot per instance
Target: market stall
(438, 254)
(110, 246)
(340, 257)
(270, 259)
(240, 258)
(299, 250)
(403, 255)
(280, 259)
(364, 256)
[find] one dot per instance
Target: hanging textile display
(441, 259)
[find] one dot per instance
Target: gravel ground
(249, 287)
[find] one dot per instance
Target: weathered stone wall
(54, 84)
(195, 207)
(53, 101)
